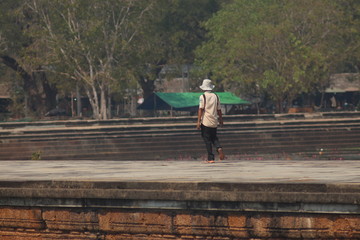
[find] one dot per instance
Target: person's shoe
(210, 161)
(221, 154)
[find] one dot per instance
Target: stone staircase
(288, 136)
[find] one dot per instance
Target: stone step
(239, 136)
(158, 140)
(191, 119)
(175, 146)
(159, 130)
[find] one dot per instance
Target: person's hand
(221, 123)
(198, 126)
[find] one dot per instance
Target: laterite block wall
(17, 223)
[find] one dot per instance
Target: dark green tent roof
(185, 101)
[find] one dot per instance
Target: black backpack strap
(204, 100)
(218, 101)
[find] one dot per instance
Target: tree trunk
(94, 102)
(27, 80)
(257, 108)
(279, 103)
(322, 99)
(50, 94)
(103, 106)
(78, 102)
(109, 114)
(34, 102)
(45, 98)
(147, 82)
(147, 85)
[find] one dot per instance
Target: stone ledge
(280, 197)
(175, 120)
(183, 185)
(310, 198)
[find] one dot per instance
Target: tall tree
(172, 32)
(24, 54)
(277, 46)
(350, 34)
(89, 40)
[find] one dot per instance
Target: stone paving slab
(228, 171)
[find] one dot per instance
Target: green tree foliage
(280, 47)
(88, 41)
(22, 53)
(170, 36)
(349, 60)
(106, 46)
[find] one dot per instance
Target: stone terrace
(288, 136)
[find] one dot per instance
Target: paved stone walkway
(276, 171)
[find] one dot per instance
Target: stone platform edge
(197, 196)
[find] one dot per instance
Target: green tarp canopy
(188, 101)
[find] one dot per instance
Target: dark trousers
(210, 138)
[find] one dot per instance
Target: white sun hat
(207, 85)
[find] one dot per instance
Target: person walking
(209, 117)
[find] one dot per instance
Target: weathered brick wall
(20, 223)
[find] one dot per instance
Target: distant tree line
(281, 48)
(104, 48)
